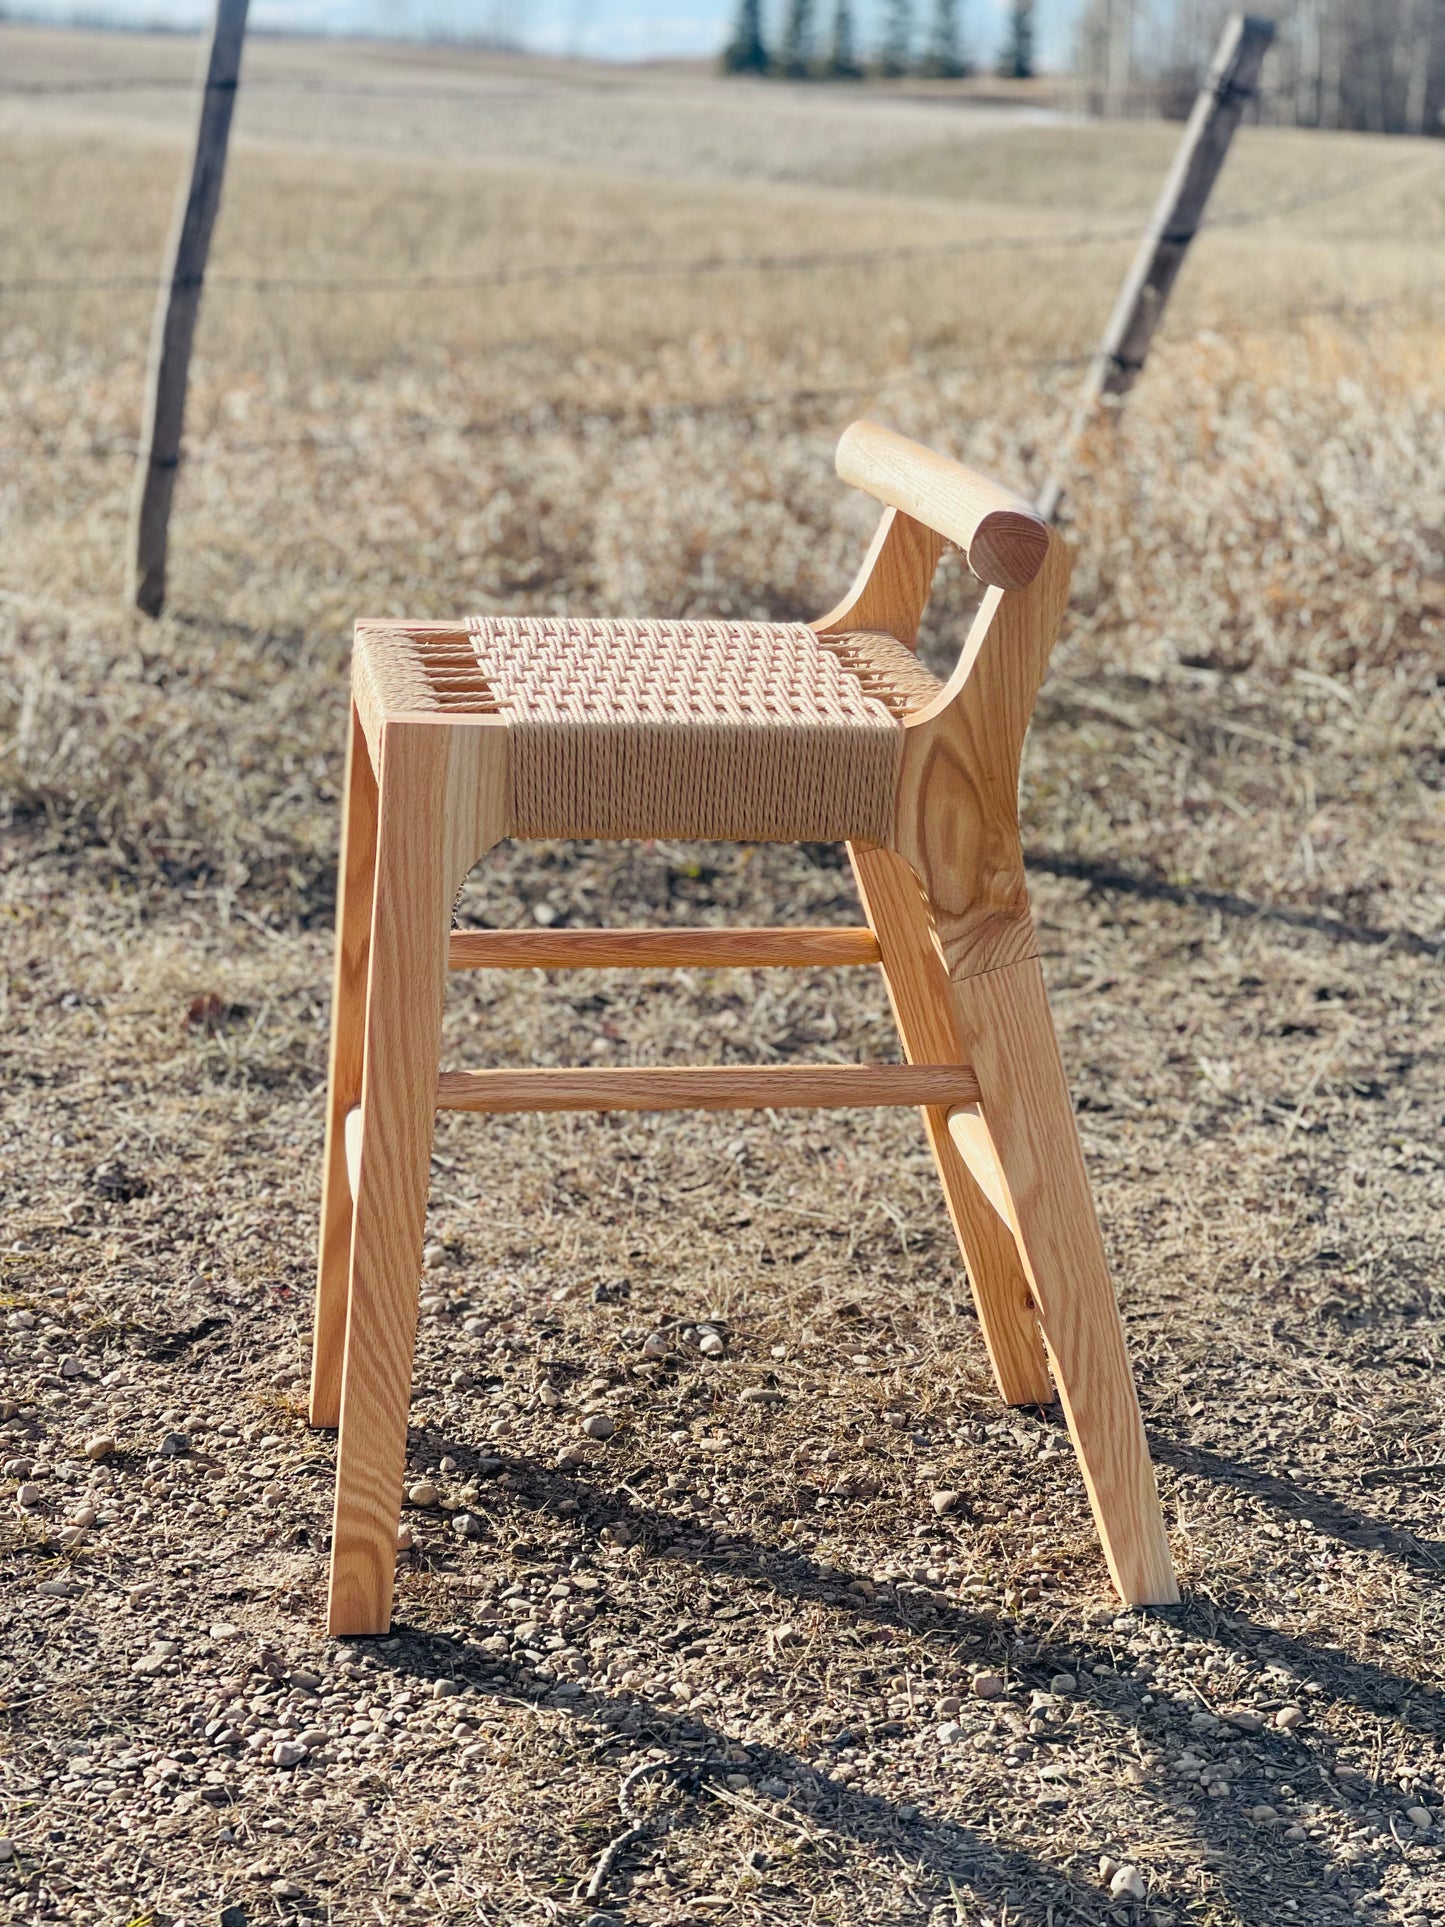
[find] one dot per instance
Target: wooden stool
(467, 733)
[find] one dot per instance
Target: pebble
(19, 1468)
(71, 1366)
(773, 1789)
(1263, 1815)
(1288, 1718)
(466, 1525)
(30, 1494)
(950, 1733)
(7, 1849)
(99, 1446)
(570, 1457)
(599, 1426)
(404, 1539)
(655, 1345)
(1244, 1721)
(1063, 1683)
(84, 1515)
(475, 1327)
(445, 1689)
(946, 1502)
(761, 1395)
(20, 1321)
(986, 1686)
(1128, 1883)
(305, 1680)
(289, 1753)
(175, 1445)
(711, 1345)
(1419, 1816)
(434, 1257)
(422, 1493)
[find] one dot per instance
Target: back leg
(1008, 1036)
(918, 989)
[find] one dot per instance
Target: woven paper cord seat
(751, 730)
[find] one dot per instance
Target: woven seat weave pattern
(737, 730)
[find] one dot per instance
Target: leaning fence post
(176, 311)
(1230, 83)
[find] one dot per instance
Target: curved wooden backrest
(1003, 539)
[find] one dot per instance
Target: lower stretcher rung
(742, 1087)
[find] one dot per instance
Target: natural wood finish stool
(467, 733)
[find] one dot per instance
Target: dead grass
(1233, 811)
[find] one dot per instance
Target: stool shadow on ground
(1024, 1879)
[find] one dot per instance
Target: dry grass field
(1233, 810)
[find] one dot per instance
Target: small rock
(434, 1257)
(405, 1538)
(466, 1525)
(234, 1915)
(948, 1706)
(711, 1345)
(949, 1733)
(289, 1753)
(1263, 1815)
(30, 1494)
(84, 1515)
(1289, 1717)
(1295, 1833)
(57, 1589)
(1063, 1683)
(761, 1395)
(773, 1789)
(1204, 1722)
(7, 1849)
(602, 1920)
(19, 1468)
(71, 1366)
(1108, 1866)
(570, 1457)
(655, 1345)
(100, 1446)
(305, 1680)
(946, 1502)
(1419, 1816)
(986, 1686)
(1244, 1721)
(423, 1493)
(599, 1426)
(175, 1445)
(1128, 1884)
(476, 1327)
(445, 1689)
(20, 1321)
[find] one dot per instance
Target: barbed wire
(560, 417)
(551, 274)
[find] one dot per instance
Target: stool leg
(417, 874)
(918, 990)
(356, 878)
(1008, 1035)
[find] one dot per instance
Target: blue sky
(607, 29)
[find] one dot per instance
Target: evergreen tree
(796, 58)
(1018, 49)
(895, 55)
(745, 53)
(945, 59)
(842, 60)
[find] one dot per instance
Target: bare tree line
(1373, 66)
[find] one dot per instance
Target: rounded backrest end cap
(1009, 547)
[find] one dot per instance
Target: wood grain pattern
(441, 800)
(957, 812)
(1003, 537)
(1005, 1027)
(729, 1087)
(918, 990)
(801, 948)
(355, 877)
(890, 590)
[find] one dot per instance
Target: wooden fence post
(1231, 82)
(176, 311)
